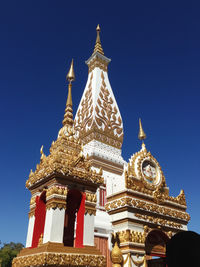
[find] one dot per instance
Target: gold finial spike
(98, 47)
(41, 150)
(68, 117)
(71, 76)
(141, 134)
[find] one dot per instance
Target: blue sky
(154, 74)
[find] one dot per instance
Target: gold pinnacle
(98, 47)
(71, 76)
(68, 117)
(141, 134)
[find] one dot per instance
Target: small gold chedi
(116, 256)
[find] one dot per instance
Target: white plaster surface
(104, 151)
(102, 222)
(54, 226)
(30, 231)
(88, 234)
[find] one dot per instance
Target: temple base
(56, 254)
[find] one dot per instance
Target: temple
(89, 207)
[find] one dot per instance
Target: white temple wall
(54, 226)
(30, 231)
(88, 235)
(103, 151)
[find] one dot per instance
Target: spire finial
(98, 47)
(141, 134)
(68, 117)
(71, 76)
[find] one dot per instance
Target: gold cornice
(157, 220)
(143, 205)
(136, 194)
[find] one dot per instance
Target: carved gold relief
(128, 201)
(84, 115)
(131, 236)
(91, 197)
(106, 113)
(56, 190)
(90, 210)
(65, 158)
(97, 62)
(157, 220)
(158, 191)
(59, 259)
(55, 205)
(106, 125)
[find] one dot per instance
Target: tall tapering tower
(99, 123)
(98, 118)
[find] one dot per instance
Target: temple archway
(74, 198)
(155, 247)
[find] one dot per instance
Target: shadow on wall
(183, 249)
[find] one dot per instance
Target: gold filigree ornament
(146, 168)
(147, 206)
(59, 259)
(105, 125)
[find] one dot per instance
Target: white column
(30, 231)
(88, 230)
(54, 225)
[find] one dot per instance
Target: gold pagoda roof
(66, 156)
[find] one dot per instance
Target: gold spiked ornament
(141, 134)
(71, 76)
(98, 48)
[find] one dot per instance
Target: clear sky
(154, 74)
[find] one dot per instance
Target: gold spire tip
(71, 76)
(98, 48)
(98, 29)
(141, 134)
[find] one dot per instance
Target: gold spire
(68, 117)
(98, 47)
(141, 134)
(71, 76)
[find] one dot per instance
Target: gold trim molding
(59, 259)
(131, 236)
(62, 191)
(157, 220)
(144, 205)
